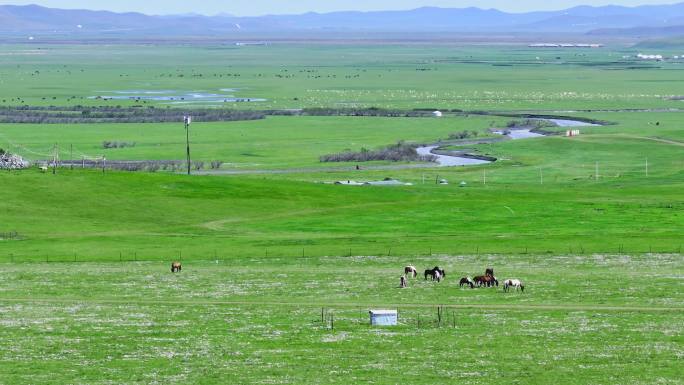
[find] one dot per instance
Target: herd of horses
(437, 274)
(486, 280)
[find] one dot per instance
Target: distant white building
(641, 56)
(564, 45)
(437, 114)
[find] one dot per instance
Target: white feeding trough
(384, 317)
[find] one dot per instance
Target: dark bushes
(465, 134)
(110, 144)
(82, 114)
(400, 152)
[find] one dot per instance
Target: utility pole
(187, 119)
(597, 171)
(54, 159)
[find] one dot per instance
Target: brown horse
(411, 270)
(176, 267)
(485, 280)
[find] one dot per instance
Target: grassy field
(275, 142)
(86, 296)
(296, 76)
(600, 320)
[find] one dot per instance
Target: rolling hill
(609, 20)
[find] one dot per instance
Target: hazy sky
(260, 7)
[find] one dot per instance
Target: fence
(277, 255)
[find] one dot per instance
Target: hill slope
(33, 19)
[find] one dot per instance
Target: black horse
(432, 272)
(489, 272)
(467, 281)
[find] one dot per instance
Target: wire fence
(280, 255)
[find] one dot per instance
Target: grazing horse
(411, 270)
(489, 272)
(485, 280)
(433, 273)
(176, 267)
(403, 284)
(438, 276)
(494, 281)
(516, 283)
(467, 281)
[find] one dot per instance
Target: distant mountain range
(653, 20)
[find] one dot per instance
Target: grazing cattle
(515, 283)
(176, 267)
(402, 283)
(411, 270)
(467, 281)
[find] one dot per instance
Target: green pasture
(600, 319)
(274, 142)
(592, 224)
(446, 76)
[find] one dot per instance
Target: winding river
(452, 161)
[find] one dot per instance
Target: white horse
(467, 281)
(411, 271)
(438, 276)
(516, 283)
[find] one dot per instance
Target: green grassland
(275, 142)
(605, 320)
(86, 296)
(296, 76)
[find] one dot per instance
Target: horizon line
(229, 14)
